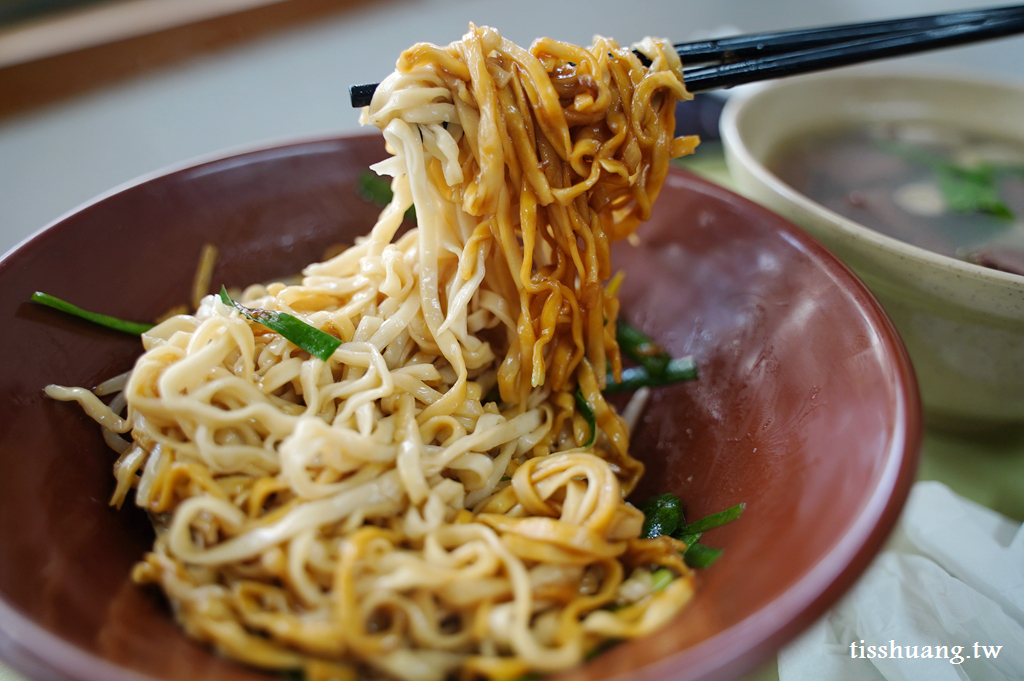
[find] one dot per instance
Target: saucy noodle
(423, 504)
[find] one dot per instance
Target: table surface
(57, 151)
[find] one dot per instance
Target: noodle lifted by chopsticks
(378, 512)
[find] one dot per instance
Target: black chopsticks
(743, 47)
(737, 60)
(845, 53)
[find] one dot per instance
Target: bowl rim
(738, 151)
(33, 650)
(278, 144)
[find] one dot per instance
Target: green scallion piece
(972, 190)
(134, 328)
(661, 578)
(588, 415)
(604, 646)
(678, 370)
(714, 520)
(663, 514)
(311, 339)
(376, 190)
(701, 556)
(966, 189)
(641, 348)
(688, 539)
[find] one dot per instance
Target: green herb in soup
(941, 188)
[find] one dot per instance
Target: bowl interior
(806, 408)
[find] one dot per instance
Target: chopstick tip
(362, 95)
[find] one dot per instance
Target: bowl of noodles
(488, 438)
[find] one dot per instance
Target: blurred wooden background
(51, 49)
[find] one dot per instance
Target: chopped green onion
(641, 348)
(376, 190)
(688, 539)
(661, 578)
(678, 370)
(588, 415)
(700, 556)
(714, 520)
(603, 646)
(309, 338)
(135, 328)
(965, 189)
(972, 190)
(663, 514)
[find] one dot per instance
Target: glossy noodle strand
(422, 505)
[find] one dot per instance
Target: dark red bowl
(806, 408)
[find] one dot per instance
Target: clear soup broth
(941, 188)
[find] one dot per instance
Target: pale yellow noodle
(424, 503)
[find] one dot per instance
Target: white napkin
(949, 587)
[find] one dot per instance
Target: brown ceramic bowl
(806, 409)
